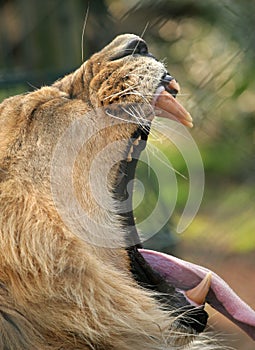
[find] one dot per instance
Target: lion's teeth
(129, 156)
(136, 142)
(199, 293)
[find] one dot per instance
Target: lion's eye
(134, 47)
(137, 47)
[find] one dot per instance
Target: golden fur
(56, 290)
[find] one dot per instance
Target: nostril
(166, 78)
(170, 84)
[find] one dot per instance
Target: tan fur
(56, 290)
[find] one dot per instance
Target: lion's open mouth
(182, 286)
(166, 106)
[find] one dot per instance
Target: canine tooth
(174, 85)
(199, 293)
(129, 156)
(136, 141)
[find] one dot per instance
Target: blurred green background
(209, 46)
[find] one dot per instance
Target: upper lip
(165, 103)
(170, 84)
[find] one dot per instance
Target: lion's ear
(11, 122)
(16, 111)
(76, 84)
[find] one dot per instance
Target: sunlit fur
(56, 290)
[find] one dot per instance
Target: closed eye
(134, 47)
(137, 47)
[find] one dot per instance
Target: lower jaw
(194, 319)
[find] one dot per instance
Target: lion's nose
(170, 84)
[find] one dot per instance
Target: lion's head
(73, 274)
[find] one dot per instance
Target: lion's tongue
(167, 106)
(184, 276)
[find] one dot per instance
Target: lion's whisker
(165, 126)
(83, 33)
(120, 93)
(164, 163)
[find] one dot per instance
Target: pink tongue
(184, 276)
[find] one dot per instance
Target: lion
(73, 273)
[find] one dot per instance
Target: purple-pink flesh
(184, 275)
